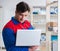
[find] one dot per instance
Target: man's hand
(33, 48)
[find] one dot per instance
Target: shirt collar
(15, 21)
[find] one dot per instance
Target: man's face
(21, 16)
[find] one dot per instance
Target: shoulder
(8, 28)
(9, 25)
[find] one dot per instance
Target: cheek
(20, 17)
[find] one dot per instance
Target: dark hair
(22, 7)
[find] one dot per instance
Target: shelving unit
(39, 19)
(54, 17)
(53, 21)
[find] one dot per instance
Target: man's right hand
(33, 48)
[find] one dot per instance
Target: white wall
(1, 26)
(0, 2)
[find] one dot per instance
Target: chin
(22, 21)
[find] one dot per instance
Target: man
(17, 22)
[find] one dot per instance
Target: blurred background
(43, 15)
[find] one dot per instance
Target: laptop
(28, 37)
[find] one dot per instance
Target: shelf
(42, 28)
(36, 24)
(54, 15)
(54, 34)
(39, 16)
(54, 21)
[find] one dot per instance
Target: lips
(21, 19)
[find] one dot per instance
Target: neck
(19, 21)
